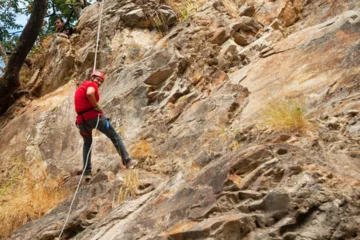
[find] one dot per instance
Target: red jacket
(83, 106)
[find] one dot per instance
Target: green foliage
(10, 10)
(189, 8)
(60, 8)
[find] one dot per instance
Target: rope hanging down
(98, 34)
(87, 158)
(78, 186)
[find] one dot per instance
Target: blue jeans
(105, 127)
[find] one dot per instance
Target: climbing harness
(86, 125)
(84, 122)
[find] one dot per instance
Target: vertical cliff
(244, 116)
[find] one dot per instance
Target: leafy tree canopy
(10, 9)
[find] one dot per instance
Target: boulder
(246, 10)
(136, 18)
(241, 39)
(159, 76)
(246, 24)
(220, 36)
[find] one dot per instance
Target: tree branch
(72, 4)
(50, 15)
(85, 4)
(13, 33)
(68, 19)
(10, 81)
(53, 7)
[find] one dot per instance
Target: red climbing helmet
(98, 74)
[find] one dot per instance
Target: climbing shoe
(87, 176)
(130, 164)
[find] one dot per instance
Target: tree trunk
(10, 82)
(3, 54)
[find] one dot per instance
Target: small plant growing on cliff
(121, 131)
(285, 115)
(129, 187)
(141, 150)
(186, 8)
(28, 197)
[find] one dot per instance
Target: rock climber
(89, 115)
(60, 27)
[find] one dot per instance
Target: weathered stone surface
(168, 15)
(160, 17)
(33, 79)
(95, 201)
(274, 201)
(136, 18)
(245, 24)
(240, 39)
(291, 46)
(59, 71)
(220, 36)
(207, 169)
(247, 10)
(159, 76)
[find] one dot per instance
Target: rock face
(150, 15)
(231, 199)
(187, 97)
(59, 70)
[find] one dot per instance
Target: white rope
(88, 154)
(98, 33)
(78, 186)
(97, 123)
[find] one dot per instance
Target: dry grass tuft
(129, 188)
(285, 115)
(141, 150)
(186, 8)
(235, 145)
(26, 197)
